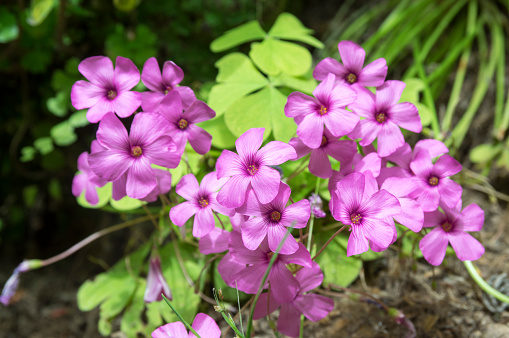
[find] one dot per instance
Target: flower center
(182, 124)
(136, 151)
(324, 141)
(323, 110)
(275, 216)
(447, 226)
(167, 89)
(381, 117)
(356, 218)
(112, 94)
(203, 202)
(433, 181)
(252, 169)
(351, 78)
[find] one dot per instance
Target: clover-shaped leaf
(249, 31)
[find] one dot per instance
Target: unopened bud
(218, 308)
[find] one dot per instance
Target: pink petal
(276, 233)
(388, 94)
(250, 278)
(470, 219)
(288, 317)
(434, 218)
(171, 107)
(199, 139)
(266, 183)
(310, 130)
(398, 186)
(127, 74)
(300, 148)
(450, 192)
(126, 103)
(390, 139)
(91, 194)
(406, 116)
(205, 326)
(210, 183)
(233, 193)
(428, 199)
(203, 222)
(411, 214)
(352, 56)
(248, 143)
(254, 232)
(367, 131)
(329, 65)
(199, 111)
(421, 165)
(262, 306)
(147, 128)
(109, 165)
(140, 179)
(319, 164)
(215, 241)
(343, 151)
(314, 307)
(187, 96)
(357, 242)
(467, 248)
(374, 74)
(162, 152)
(229, 164)
(98, 70)
(150, 101)
(180, 213)
(433, 246)
(188, 187)
(309, 278)
(298, 212)
(78, 184)
(243, 255)
(378, 231)
(176, 329)
(300, 257)
(364, 105)
(112, 133)
(228, 267)
(251, 206)
(118, 187)
(446, 166)
(324, 90)
(299, 104)
(434, 147)
(85, 94)
(341, 95)
(97, 112)
(283, 284)
(340, 122)
(172, 74)
(275, 153)
(371, 162)
(151, 75)
(351, 190)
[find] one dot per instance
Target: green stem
(264, 279)
(483, 285)
(312, 221)
(328, 242)
(180, 317)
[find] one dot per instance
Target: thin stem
(219, 219)
(240, 310)
(330, 240)
(312, 221)
(483, 285)
(367, 295)
(300, 168)
(151, 216)
(196, 289)
(180, 260)
(180, 317)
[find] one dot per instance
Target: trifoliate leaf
(288, 27)
(79, 119)
(44, 145)
(58, 104)
(27, 154)
(276, 56)
(249, 31)
(8, 26)
(63, 134)
(126, 203)
(305, 85)
(221, 136)
(412, 89)
(104, 194)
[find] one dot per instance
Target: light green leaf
(247, 32)
(126, 203)
(253, 111)
(131, 322)
(27, 154)
(424, 113)
(221, 136)
(63, 134)
(39, 11)
(298, 83)
(58, 104)
(275, 56)
(79, 119)
(284, 128)
(236, 78)
(44, 145)
(412, 89)
(104, 194)
(8, 26)
(288, 27)
(485, 152)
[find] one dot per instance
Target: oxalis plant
(236, 188)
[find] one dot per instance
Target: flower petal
(215, 241)
(352, 56)
(141, 179)
(203, 222)
(276, 234)
(275, 153)
(176, 329)
(85, 94)
(98, 70)
(433, 246)
(406, 116)
(162, 152)
(127, 74)
(388, 94)
(188, 187)
(357, 242)
(199, 111)
(229, 164)
(151, 75)
(147, 128)
(314, 307)
(233, 193)
(288, 317)
(205, 326)
(283, 284)
(298, 212)
(310, 130)
(299, 104)
(450, 192)
(266, 184)
(373, 74)
(248, 143)
(112, 134)
(172, 74)
(109, 164)
(446, 166)
(390, 138)
(470, 219)
(254, 232)
(329, 65)
(180, 213)
(199, 139)
(467, 248)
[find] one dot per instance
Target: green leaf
(79, 119)
(36, 60)
(39, 11)
(412, 89)
(193, 160)
(126, 203)
(126, 5)
(249, 31)
(485, 152)
(424, 113)
(288, 27)
(63, 134)
(284, 128)
(27, 154)
(275, 56)
(236, 78)
(104, 194)
(221, 136)
(305, 85)
(8, 26)
(58, 104)
(44, 145)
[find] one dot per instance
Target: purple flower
(203, 324)
(365, 209)
(282, 282)
(251, 168)
(351, 71)
(452, 226)
(431, 183)
(371, 162)
(163, 186)
(183, 124)
(316, 205)
(108, 89)
(383, 116)
(131, 155)
(156, 284)
(11, 286)
(201, 200)
(272, 219)
(319, 163)
(163, 84)
(313, 307)
(86, 180)
(327, 107)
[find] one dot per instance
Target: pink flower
(351, 71)
(203, 324)
(251, 168)
(452, 226)
(183, 126)
(272, 219)
(327, 107)
(108, 89)
(431, 183)
(360, 205)
(156, 284)
(383, 116)
(282, 282)
(163, 186)
(131, 155)
(86, 180)
(201, 200)
(162, 84)
(411, 214)
(319, 163)
(313, 307)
